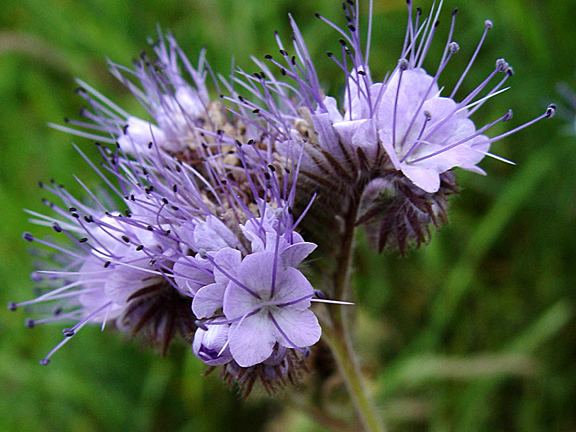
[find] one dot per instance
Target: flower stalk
(340, 343)
(338, 334)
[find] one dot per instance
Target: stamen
(69, 332)
(476, 104)
(501, 66)
(275, 264)
(487, 26)
(549, 113)
(103, 98)
(335, 27)
(418, 140)
(480, 131)
(402, 66)
(226, 344)
(453, 48)
(293, 302)
(426, 42)
(205, 255)
(305, 211)
(450, 34)
(369, 32)
(82, 134)
(336, 302)
(46, 360)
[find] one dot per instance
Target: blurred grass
(474, 332)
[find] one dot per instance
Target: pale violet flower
(210, 345)
(172, 91)
(268, 305)
(426, 144)
(177, 117)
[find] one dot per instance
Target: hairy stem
(345, 357)
(338, 334)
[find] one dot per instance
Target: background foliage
(474, 332)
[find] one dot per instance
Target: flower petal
(327, 137)
(237, 302)
(293, 287)
(423, 177)
(208, 344)
(416, 86)
(227, 262)
(208, 300)
(256, 271)
(191, 274)
(124, 281)
(386, 139)
(213, 235)
(294, 254)
(296, 328)
(252, 340)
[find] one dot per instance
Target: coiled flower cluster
(211, 206)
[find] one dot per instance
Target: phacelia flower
(172, 91)
(405, 133)
(264, 268)
(211, 345)
(201, 197)
(268, 305)
(112, 272)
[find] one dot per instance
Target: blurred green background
(475, 332)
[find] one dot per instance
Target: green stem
(338, 334)
(341, 346)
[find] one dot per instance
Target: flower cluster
(202, 232)
(390, 146)
(205, 241)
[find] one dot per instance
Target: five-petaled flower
(268, 304)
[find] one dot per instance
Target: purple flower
(423, 133)
(214, 271)
(172, 91)
(113, 272)
(211, 345)
(268, 305)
